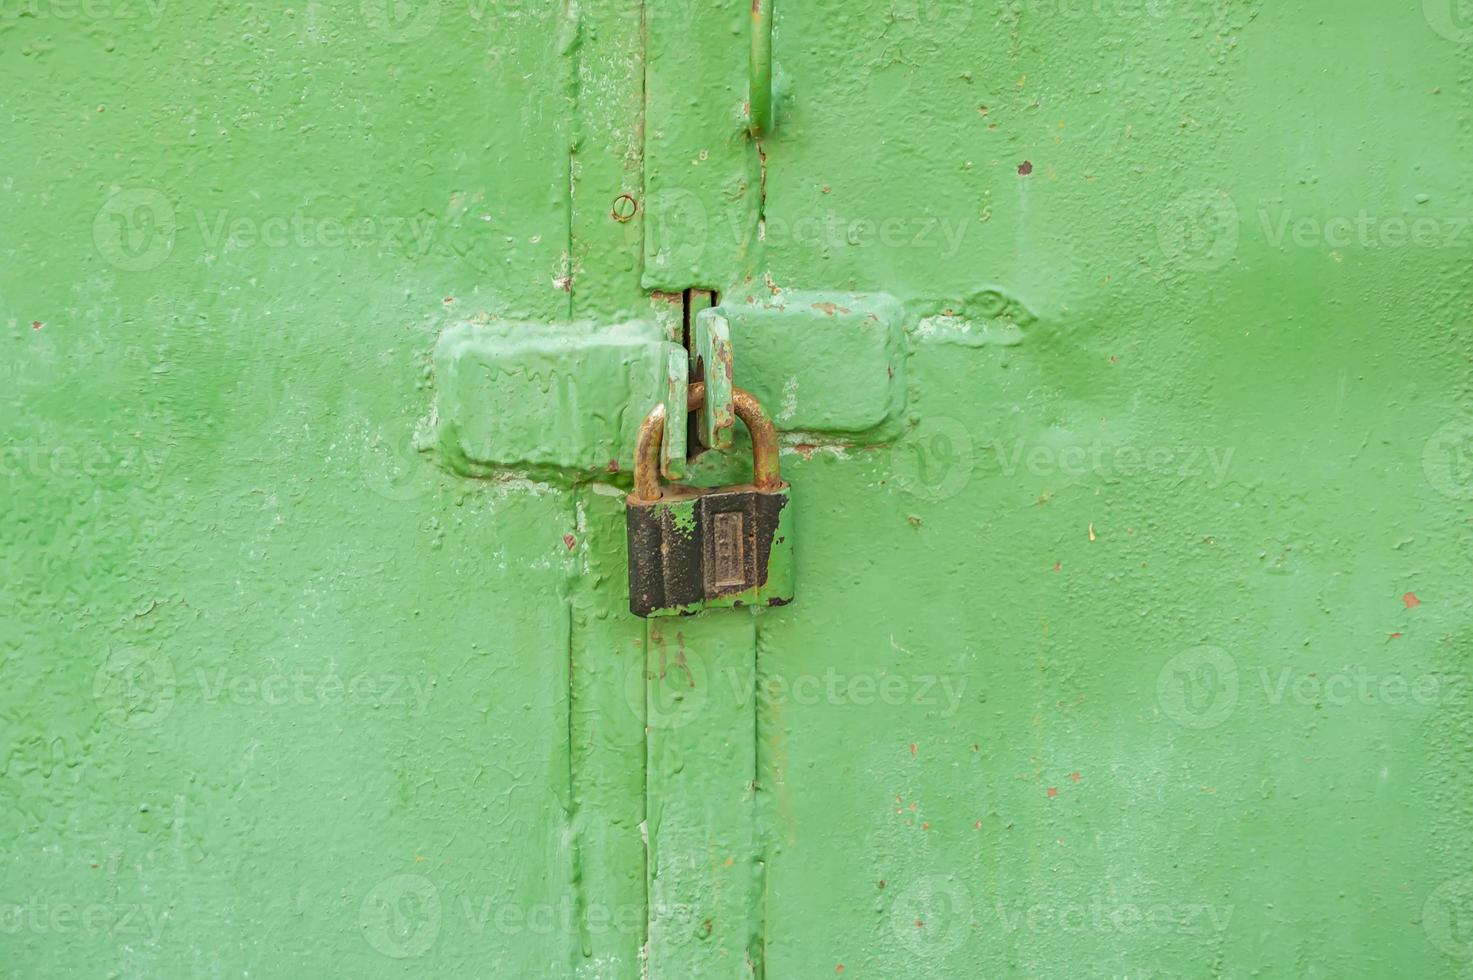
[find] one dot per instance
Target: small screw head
(624, 208)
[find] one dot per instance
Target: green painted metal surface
(790, 343)
(514, 395)
(1139, 648)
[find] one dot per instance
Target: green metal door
(1121, 353)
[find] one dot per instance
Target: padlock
(694, 548)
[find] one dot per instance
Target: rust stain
(1410, 600)
(624, 208)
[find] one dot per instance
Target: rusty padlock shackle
(765, 466)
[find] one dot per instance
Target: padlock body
(697, 549)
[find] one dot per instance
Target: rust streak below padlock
(693, 548)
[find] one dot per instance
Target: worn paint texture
(711, 356)
(514, 395)
(790, 343)
(1139, 646)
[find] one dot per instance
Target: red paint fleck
(1058, 566)
(1393, 636)
(1075, 776)
(839, 968)
(569, 540)
(1025, 168)
(613, 466)
(920, 924)
(826, 188)
(1411, 600)
(37, 324)
(912, 749)
(977, 825)
(925, 825)
(1053, 792)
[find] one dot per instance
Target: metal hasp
(677, 384)
(694, 548)
(711, 350)
(760, 93)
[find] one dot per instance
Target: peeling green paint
(682, 515)
(1138, 648)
